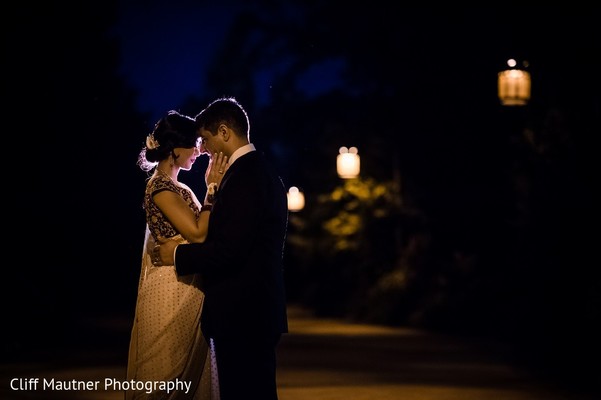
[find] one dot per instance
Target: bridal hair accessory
(151, 142)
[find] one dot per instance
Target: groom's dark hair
(224, 110)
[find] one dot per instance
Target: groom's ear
(224, 131)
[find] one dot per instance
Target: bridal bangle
(211, 192)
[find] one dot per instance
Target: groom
(240, 263)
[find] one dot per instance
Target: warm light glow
(514, 87)
(348, 163)
(296, 199)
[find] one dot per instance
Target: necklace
(160, 171)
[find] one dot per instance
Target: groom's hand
(163, 252)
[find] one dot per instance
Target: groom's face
(210, 144)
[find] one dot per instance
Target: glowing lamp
(348, 163)
(296, 199)
(514, 85)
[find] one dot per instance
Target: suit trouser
(246, 366)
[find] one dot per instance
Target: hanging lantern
(348, 163)
(296, 199)
(514, 85)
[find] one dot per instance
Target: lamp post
(514, 85)
(348, 163)
(296, 199)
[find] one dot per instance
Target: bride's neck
(166, 170)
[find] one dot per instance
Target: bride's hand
(163, 252)
(216, 169)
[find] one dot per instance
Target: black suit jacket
(240, 262)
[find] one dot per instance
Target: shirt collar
(247, 148)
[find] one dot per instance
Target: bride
(166, 340)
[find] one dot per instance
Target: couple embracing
(211, 301)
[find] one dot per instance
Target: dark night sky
(166, 45)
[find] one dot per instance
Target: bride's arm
(181, 216)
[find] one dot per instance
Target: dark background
(496, 234)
